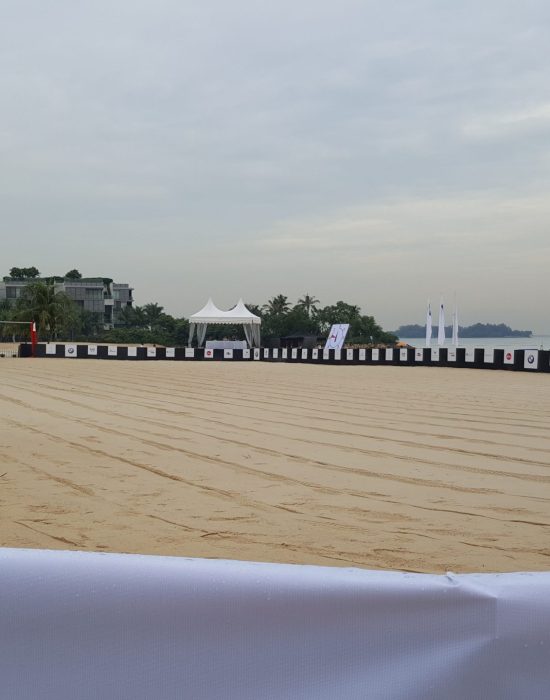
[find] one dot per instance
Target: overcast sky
(376, 152)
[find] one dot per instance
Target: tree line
(59, 318)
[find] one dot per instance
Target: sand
(417, 469)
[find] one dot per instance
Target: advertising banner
(336, 337)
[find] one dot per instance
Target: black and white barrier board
(516, 359)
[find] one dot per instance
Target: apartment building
(94, 294)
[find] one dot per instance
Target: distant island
(478, 330)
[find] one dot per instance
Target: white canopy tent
(210, 314)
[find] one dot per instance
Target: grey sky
(376, 152)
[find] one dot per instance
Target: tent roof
(211, 314)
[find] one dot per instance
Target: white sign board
(509, 357)
(336, 337)
(294, 353)
(246, 354)
(275, 353)
(451, 355)
(403, 354)
(151, 352)
(50, 348)
(375, 355)
(488, 356)
(326, 355)
(70, 350)
(112, 350)
(170, 352)
(349, 354)
(470, 355)
(189, 352)
(284, 353)
(435, 354)
(418, 355)
(256, 353)
(337, 354)
(531, 359)
(304, 353)
(228, 354)
(208, 353)
(389, 354)
(132, 351)
(362, 355)
(92, 350)
(266, 353)
(314, 354)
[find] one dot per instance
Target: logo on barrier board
(509, 357)
(256, 353)
(189, 352)
(92, 350)
(419, 355)
(170, 352)
(375, 355)
(151, 352)
(112, 350)
(389, 354)
(314, 354)
(362, 354)
(349, 354)
(70, 350)
(531, 360)
(208, 354)
(228, 353)
(304, 354)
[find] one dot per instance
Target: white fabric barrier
(128, 627)
(226, 344)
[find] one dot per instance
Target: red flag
(34, 338)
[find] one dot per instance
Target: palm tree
(53, 311)
(277, 306)
(153, 312)
(308, 304)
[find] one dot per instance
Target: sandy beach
(418, 469)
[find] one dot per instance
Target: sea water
(535, 342)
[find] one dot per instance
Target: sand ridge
(412, 468)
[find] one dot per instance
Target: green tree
(308, 304)
(73, 275)
(53, 311)
(153, 313)
(277, 305)
(24, 273)
(88, 323)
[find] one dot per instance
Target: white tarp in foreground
(86, 626)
